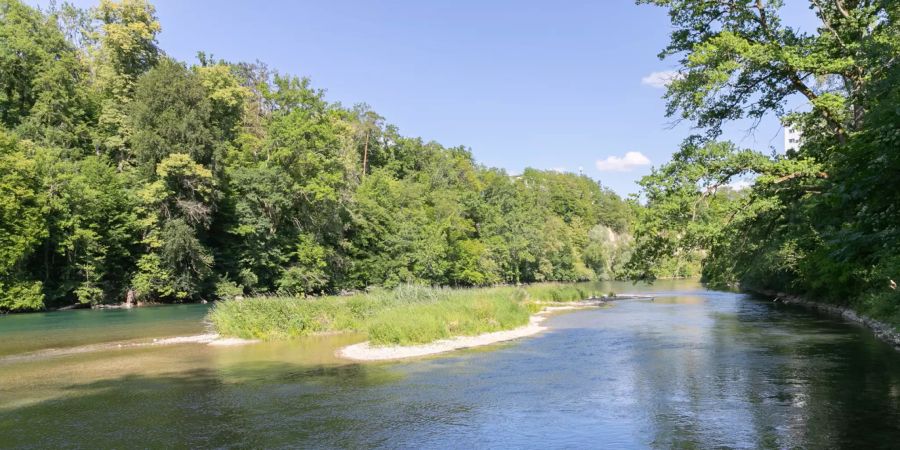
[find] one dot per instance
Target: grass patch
(406, 315)
(463, 314)
(561, 292)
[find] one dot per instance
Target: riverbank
(212, 339)
(365, 351)
(881, 330)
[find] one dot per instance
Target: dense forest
(127, 174)
(822, 220)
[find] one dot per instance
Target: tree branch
(791, 176)
(827, 24)
(841, 8)
(812, 96)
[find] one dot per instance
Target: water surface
(693, 368)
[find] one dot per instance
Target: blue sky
(551, 85)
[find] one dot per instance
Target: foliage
(426, 322)
(125, 49)
(821, 220)
(92, 229)
(128, 174)
(171, 113)
(42, 89)
(407, 314)
(22, 225)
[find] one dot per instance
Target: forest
(128, 175)
(821, 220)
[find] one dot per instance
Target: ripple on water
(692, 368)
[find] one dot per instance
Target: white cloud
(740, 185)
(624, 163)
(660, 79)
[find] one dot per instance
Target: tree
(41, 90)
(172, 113)
(23, 209)
(689, 204)
(739, 60)
(129, 174)
(819, 220)
(261, 230)
(127, 48)
(368, 128)
(176, 208)
(89, 252)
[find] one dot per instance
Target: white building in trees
(792, 138)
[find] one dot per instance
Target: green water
(22, 333)
(691, 369)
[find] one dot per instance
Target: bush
(228, 290)
(26, 296)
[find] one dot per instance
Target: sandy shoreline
(209, 339)
(366, 352)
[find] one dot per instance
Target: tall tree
(738, 59)
(126, 49)
(176, 209)
(172, 112)
(819, 219)
(23, 209)
(41, 79)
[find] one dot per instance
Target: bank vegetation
(406, 315)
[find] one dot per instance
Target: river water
(691, 369)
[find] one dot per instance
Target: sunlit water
(692, 368)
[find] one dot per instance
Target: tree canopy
(128, 174)
(820, 220)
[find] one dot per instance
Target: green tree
(175, 209)
(818, 220)
(172, 113)
(42, 93)
(738, 59)
(126, 172)
(23, 211)
(93, 233)
(126, 49)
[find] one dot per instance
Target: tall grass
(561, 292)
(409, 314)
(464, 313)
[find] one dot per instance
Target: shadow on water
(707, 370)
(812, 380)
(246, 406)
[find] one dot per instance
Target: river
(692, 368)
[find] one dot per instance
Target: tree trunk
(365, 154)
